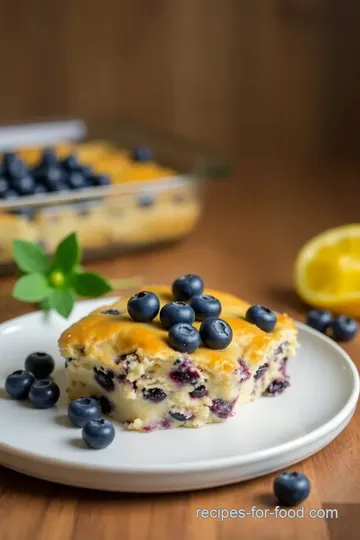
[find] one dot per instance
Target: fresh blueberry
(205, 306)
(76, 180)
(319, 319)
(18, 384)
(98, 434)
(105, 378)
(262, 317)
(82, 410)
(44, 393)
(260, 371)
(276, 387)
(143, 306)
(343, 328)
(198, 392)
(49, 176)
(154, 394)
(4, 186)
(70, 162)
(142, 153)
(291, 488)
(176, 312)
(185, 287)
(215, 333)
(180, 417)
(14, 167)
(100, 180)
(24, 185)
(184, 338)
(40, 364)
(221, 408)
(49, 157)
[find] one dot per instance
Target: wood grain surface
(252, 228)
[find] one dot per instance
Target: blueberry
(276, 387)
(18, 384)
(343, 328)
(215, 333)
(184, 338)
(40, 364)
(14, 167)
(105, 378)
(262, 317)
(180, 417)
(24, 185)
(100, 180)
(49, 176)
(291, 488)
(82, 410)
(198, 392)
(221, 408)
(176, 312)
(143, 306)
(40, 189)
(76, 180)
(319, 319)
(205, 306)
(44, 393)
(70, 162)
(10, 195)
(185, 287)
(98, 434)
(4, 186)
(142, 153)
(260, 371)
(154, 394)
(60, 187)
(49, 157)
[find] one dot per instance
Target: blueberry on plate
(44, 393)
(215, 333)
(142, 153)
(291, 488)
(82, 410)
(262, 317)
(4, 186)
(40, 364)
(205, 306)
(49, 157)
(184, 338)
(176, 312)
(100, 180)
(49, 176)
(18, 384)
(14, 167)
(343, 328)
(143, 306)
(24, 185)
(185, 287)
(98, 434)
(70, 162)
(319, 319)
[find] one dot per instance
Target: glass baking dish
(147, 204)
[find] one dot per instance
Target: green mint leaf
(91, 285)
(62, 301)
(31, 288)
(30, 257)
(67, 255)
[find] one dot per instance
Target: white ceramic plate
(264, 436)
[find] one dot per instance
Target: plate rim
(210, 464)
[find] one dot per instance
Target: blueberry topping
(44, 393)
(76, 180)
(70, 162)
(319, 319)
(49, 157)
(143, 153)
(24, 185)
(98, 434)
(262, 317)
(143, 306)
(4, 186)
(276, 387)
(185, 287)
(105, 378)
(221, 408)
(186, 375)
(105, 404)
(198, 392)
(205, 306)
(180, 417)
(291, 488)
(14, 167)
(343, 328)
(40, 364)
(50, 177)
(18, 384)
(215, 333)
(176, 312)
(111, 312)
(184, 338)
(260, 371)
(82, 410)
(154, 394)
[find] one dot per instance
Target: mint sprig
(55, 282)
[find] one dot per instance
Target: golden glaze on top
(102, 336)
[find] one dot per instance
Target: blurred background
(264, 78)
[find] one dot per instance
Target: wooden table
(252, 228)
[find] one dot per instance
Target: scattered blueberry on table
(216, 333)
(291, 488)
(98, 434)
(176, 312)
(143, 306)
(319, 319)
(18, 384)
(44, 393)
(82, 410)
(41, 364)
(343, 328)
(262, 317)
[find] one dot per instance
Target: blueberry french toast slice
(146, 382)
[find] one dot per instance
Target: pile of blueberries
(191, 304)
(340, 328)
(49, 175)
(34, 383)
